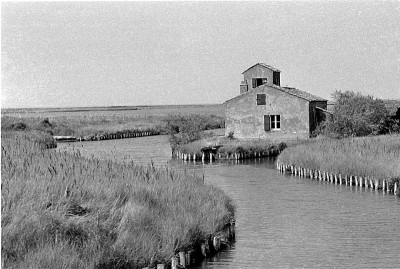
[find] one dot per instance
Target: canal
(282, 221)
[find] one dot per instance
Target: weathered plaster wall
(258, 72)
(246, 119)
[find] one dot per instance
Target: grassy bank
(227, 148)
(65, 211)
(377, 157)
(94, 124)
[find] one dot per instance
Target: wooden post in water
(188, 258)
(194, 157)
(216, 243)
(376, 184)
(360, 182)
(202, 157)
(383, 185)
(174, 263)
(182, 259)
(366, 182)
(396, 188)
(340, 179)
(211, 157)
(203, 249)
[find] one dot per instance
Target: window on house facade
(261, 99)
(275, 122)
(272, 122)
(258, 82)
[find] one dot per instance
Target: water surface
(282, 221)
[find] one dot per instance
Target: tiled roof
(264, 65)
(292, 91)
(302, 94)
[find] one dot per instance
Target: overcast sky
(70, 54)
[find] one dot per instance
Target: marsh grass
(60, 210)
(81, 126)
(229, 146)
(377, 157)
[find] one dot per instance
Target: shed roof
(264, 65)
(302, 94)
(289, 90)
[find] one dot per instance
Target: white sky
(69, 54)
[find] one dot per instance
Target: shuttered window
(267, 125)
(275, 122)
(261, 99)
(272, 122)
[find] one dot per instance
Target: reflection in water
(282, 221)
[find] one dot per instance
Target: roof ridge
(295, 92)
(264, 65)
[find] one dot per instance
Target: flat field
(99, 120)
(119, 111)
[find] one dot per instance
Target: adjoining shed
(265, 110)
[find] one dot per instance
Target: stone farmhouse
(264, 109)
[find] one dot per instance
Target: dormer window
(258, 82)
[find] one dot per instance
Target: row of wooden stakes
(211, 245)
(368, 182)
(217, 156)
(117, 136)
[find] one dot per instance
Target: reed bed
(377, 157)
(232, 148)
(60, 210)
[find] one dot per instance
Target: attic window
(258, 82)
(261, 99)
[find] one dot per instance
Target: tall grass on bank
(229, 146)
(60, 210)
(377, 157)
(184, 129)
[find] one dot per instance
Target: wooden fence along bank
(119, 135)
(386, 185)
(212, 154)
(210, 245)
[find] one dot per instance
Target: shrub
(356, 115)
(184, 129)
